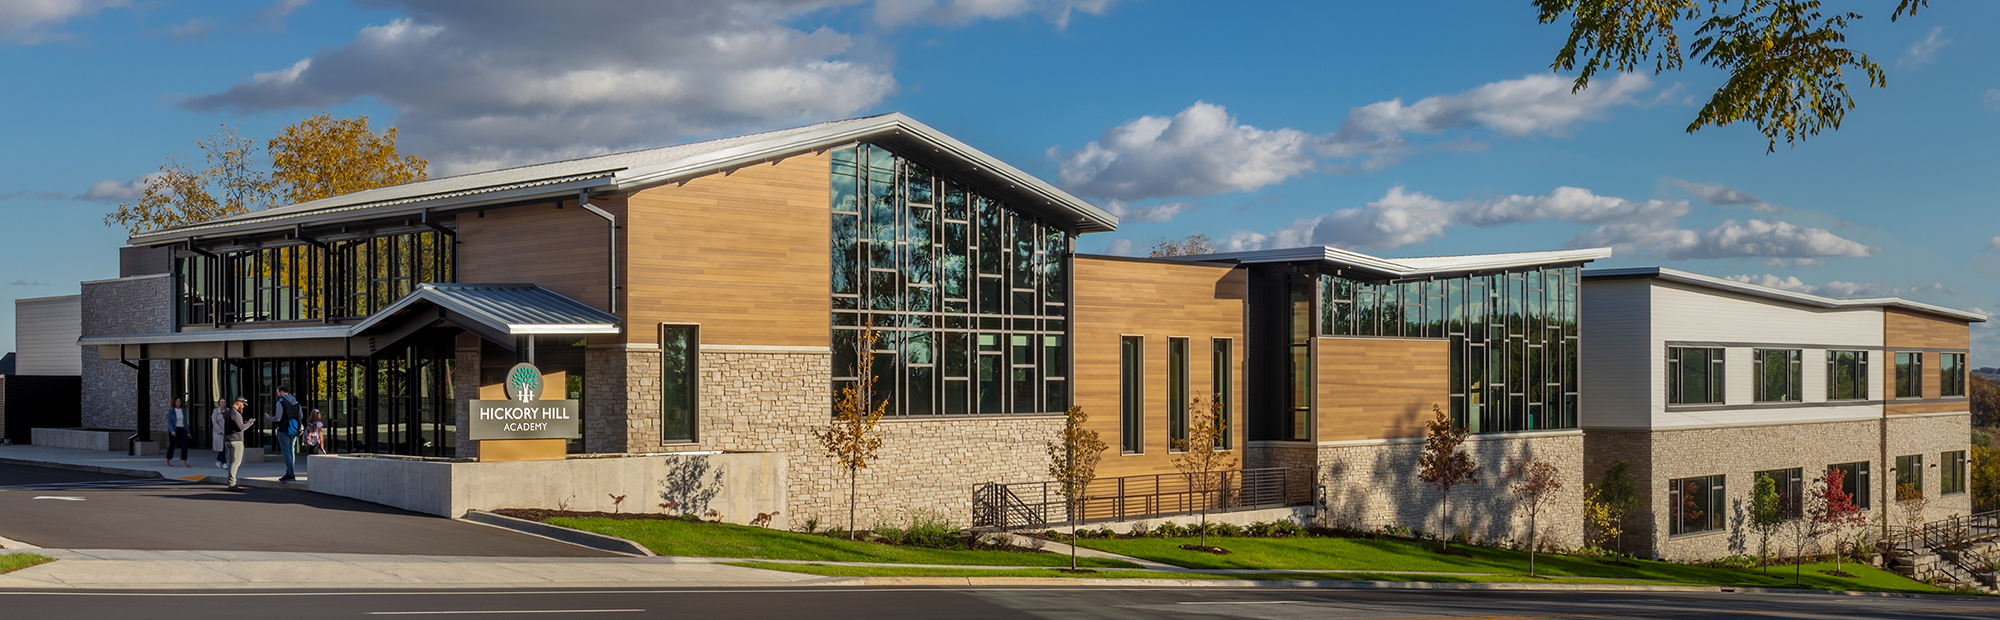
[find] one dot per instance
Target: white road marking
(66, 499)
(507, 611)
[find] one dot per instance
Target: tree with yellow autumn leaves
(318, 157)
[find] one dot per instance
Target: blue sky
(1396, 129)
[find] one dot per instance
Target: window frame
(1793, 377)
(1717, 375)
(1857, 366)
(1951, 375)
(1791, 489)
(1177, 394)
(1909, 470)
(693, 372)
(1909, 374)
(1951, 481)
(1131, 395)
(1717, 492)
(1859, 480)
(1222, 387)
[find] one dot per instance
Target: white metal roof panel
(1757, 290)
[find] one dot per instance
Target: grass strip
(10, 562)
(837, 570)
(1362, 554)
(721, 540)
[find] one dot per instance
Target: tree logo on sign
(524, 383)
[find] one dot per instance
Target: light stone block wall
(1376, 484)
(738, 487)
(464, 390)
(1932, 435)
(135, 305)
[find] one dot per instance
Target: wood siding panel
(563, 250)
(1902, 328)
(745, 255)
(1956, 405)
(1380, 388)
(1157, 300)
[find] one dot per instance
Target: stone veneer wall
(1738, 453)
(1601, 448)
(1931, 435)
(134, 305)
(464, 390)
(771, 399)
(1375, 484)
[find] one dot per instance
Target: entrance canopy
(497, 312)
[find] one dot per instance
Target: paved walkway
(264, 474)
(239, 570)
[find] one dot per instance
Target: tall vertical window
(1951, 374)
(1694, 375)
(680, 354)
(1131, 394)
(1696, 505)
(1846, 375)
(1778, 374)
(1952, 479)
(1177, 394)
(1791, 489)
(1854, 482)
(968, 295)
(333, 280)
(1909, 375)
(1299, 369)
(1222, 368)
(1512, 339)
(1909, 477)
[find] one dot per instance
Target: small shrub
(1053, 535)
(811, 526)
(1225, 529)
(930, 528)
(1735, 561)
(1105, 532)
(1172, 530)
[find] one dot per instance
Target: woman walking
(215, 419)
(178, 435)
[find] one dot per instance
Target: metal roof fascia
(1806, 299)
(220, 335)
(456, 200)
(527, 329)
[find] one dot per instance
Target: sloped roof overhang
(1392, 269)
(1776, 294)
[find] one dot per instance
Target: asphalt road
(841, 603)
(61, 509)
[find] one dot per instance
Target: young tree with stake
(1767, 514)
(1200, 462)
(1831, 510)
(851, 439)
(1444, 463)
(1536, 483)
(1073, 464)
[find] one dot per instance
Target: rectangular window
(1846, 375)
(1778, 374)
(1952, 479)
(1951, 374)
(1854, 482)
(1694, 376)
(1222, 377)
(1696, 505)
(1131, 395)
(1909, 477)
(1177, 394)
(1791, 489)
(1909, 375)
(680, 352)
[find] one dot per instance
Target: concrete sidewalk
(239, 570)
(263, 475)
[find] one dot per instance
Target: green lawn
(10, 562)
(838, 570)
(717, 540)
(1312, 553)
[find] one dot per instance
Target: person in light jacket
(178, 435)
(234, 420)
(215, 419)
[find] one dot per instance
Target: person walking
(315, 435)
(233, 426)
(215, 434)
(177, 433)
(287, 424)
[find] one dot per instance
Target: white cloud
(1162, 212)
(271, 18)
(1202, 150)
(193, 30)
(479, 85)
(29, 22)
(893, 13)
(1119, 247)
(1991, 99)
(1402, 217)
(1778, 243)
(1994, 244)
(1726, 196)
(25, 193)
(113, 190)
(27, 283)
(1839, 289)
(1925, 51)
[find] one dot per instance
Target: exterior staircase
(1957, 550)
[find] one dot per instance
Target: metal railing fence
(1034, 504)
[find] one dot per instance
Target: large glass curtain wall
(1513, 339)
(343, 279)
(968, 297)
(398, 403)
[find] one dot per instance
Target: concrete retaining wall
(739, 486)
(80, 439)
(1298, 515)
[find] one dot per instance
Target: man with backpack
(287, 424)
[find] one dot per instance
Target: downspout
(611, 227)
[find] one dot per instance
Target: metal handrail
(1007, 505)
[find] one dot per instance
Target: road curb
(99, 469)
(1360, 585)
(593, 540)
